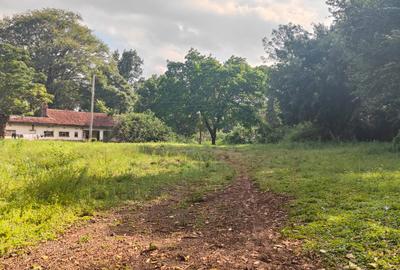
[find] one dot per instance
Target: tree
(148, 92)
(344, 79)
(164, 96)
(222, 93)
(129, 65)
(64, 49)
(61, 47)
(309, 80)
(371, 33)
(19, 93)
(112, 91)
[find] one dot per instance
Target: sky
(162, 30)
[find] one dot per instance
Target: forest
(332, 83)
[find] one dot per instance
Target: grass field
(44, 186)
(346, 198)
(345, 201)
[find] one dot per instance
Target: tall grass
(45, 186)
(346, 198)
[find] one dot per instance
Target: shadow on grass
(345, 198)
(57, 194)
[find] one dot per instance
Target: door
(95, 135)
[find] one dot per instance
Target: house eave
(57, 125)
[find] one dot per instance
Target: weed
(196, 197)
(84, 239)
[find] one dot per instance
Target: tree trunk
(212, 130)
(3, 122)
(213, 137)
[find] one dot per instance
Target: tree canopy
(67, 53)
(129, 65)
(344, 79)
(221, 94)
(20, 93)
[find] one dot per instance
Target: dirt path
(237, 228)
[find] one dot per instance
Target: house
(60, 125)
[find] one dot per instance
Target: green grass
(45, 186)
(346, 198)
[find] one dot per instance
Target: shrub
(303, 132)
(240, 135)
(268, 134)
(141, 127)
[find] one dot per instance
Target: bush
(240, 135)
(263, 133)
(141, 127)
(396, 143)
(303, 132)
(268, 134)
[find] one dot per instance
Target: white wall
(38, 132)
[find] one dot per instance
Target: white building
(60, 125)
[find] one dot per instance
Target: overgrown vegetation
(45, 186)
(345, 198)
(141, 127)
(343, 78)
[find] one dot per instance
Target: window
(76, 134)
(49, 134)
(63, 134)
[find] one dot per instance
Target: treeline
(340, 82)
(344, 80)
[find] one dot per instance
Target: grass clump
(45, 186)
(346, 198)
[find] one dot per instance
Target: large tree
(61, 47)
(112, 91)
(19, 91)
(65, 51)
(309, 80)
(345, 78)
(221, 94)
(370, 31)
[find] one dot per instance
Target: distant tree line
(340, 82)
(344, 79)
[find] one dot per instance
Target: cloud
(162, 30)
(269, 10)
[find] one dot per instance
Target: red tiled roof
(66, 118)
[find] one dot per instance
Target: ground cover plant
(44, 186)
(345, 198)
